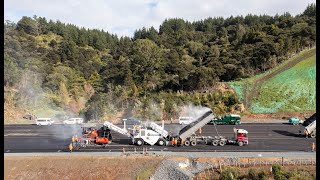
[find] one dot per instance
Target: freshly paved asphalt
(263, 137)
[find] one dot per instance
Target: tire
(222, 143)
(240, 143)
(161, 142)
(215, 143)
(313, 135)
(139, 142)
(187, 143)
(193, 143)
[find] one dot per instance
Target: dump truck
(187, 135)
(226, 119)
(309, 126)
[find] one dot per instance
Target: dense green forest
(69, 69)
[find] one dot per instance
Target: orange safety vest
(200, 130)
(172, 141)
(313, 146)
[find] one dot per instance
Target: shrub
(253, 175)
(262, 175)
(229, 174)
(277, 173)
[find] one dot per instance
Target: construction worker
(200, 131)
(70, 147)
(172, 141)
(306, 133)
(72, 140)
(176, 141)
(313, 146)
(76, 140)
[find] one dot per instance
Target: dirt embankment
(126, 167)
(79, 167)
(280, 116)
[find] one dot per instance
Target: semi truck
(227, 119)
(187, 135)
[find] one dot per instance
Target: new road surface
(263, 137)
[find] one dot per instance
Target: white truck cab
(44, 121)
(185, 120)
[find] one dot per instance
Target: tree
(310, 10)
(28, 25)
(11, 72)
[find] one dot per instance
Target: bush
(277, 173)
(262, 175)
(255, 175)
(229, 174)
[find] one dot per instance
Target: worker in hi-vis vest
(70, 147)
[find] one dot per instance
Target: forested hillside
(54, 69)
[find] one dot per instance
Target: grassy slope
(288, 91)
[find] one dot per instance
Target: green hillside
(290, 87)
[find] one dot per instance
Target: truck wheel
(313, 135)
(161, 142)
(222, 143)
(240, 143)
(187, 143)
(139, 142)
(215, 143)
(193, 143)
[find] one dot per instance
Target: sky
(123, 17)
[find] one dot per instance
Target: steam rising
(189, 110)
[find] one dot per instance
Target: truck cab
(240, 137)
(227, 119)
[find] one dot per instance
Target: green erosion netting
(291, 90)
(238, 87)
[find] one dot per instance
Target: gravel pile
(182, 170)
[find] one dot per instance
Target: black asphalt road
(262, 137)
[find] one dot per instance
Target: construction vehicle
(295, 121)
(226, 119)
(309, 126)
(185, 120)
(149, 133)
(187, 135)
(153, 134)
(92, 136)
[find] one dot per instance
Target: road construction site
(264, 137)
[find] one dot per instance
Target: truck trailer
(187, 135)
